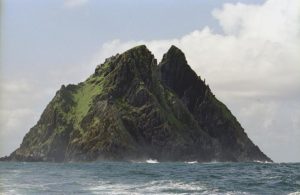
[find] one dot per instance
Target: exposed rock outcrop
(133, 109)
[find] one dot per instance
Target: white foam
(258, 161)
(152, 187)
(191, 162)
(152, 161)
(295, 193)
(158, 187)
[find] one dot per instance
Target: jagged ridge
(132, 109)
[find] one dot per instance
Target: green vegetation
(126, 108)
(83, 98)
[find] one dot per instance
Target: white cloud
(74, 3)
(20, 106)
(274, 21)
(254, 67)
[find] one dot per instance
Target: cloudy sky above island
(247, 51)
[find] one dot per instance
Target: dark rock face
(133, 109)
(211, 114)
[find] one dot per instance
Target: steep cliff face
(133, 109)
(211, 114)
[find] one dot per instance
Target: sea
(149, 177)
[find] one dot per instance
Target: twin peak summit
(132, 108)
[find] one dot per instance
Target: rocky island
(132, 108)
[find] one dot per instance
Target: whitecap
(295, 193)
(152, 161)
(151, 187)
(264, 162)
(191, 162)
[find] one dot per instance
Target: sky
(246, 50)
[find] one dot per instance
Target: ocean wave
(159, 187)
(162, 178)
(154, 187)
(191, 162)
(295, 193)
(152, 161)
(264, 162)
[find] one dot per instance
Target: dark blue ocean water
(149, 178)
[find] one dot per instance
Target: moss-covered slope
(133, 109)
